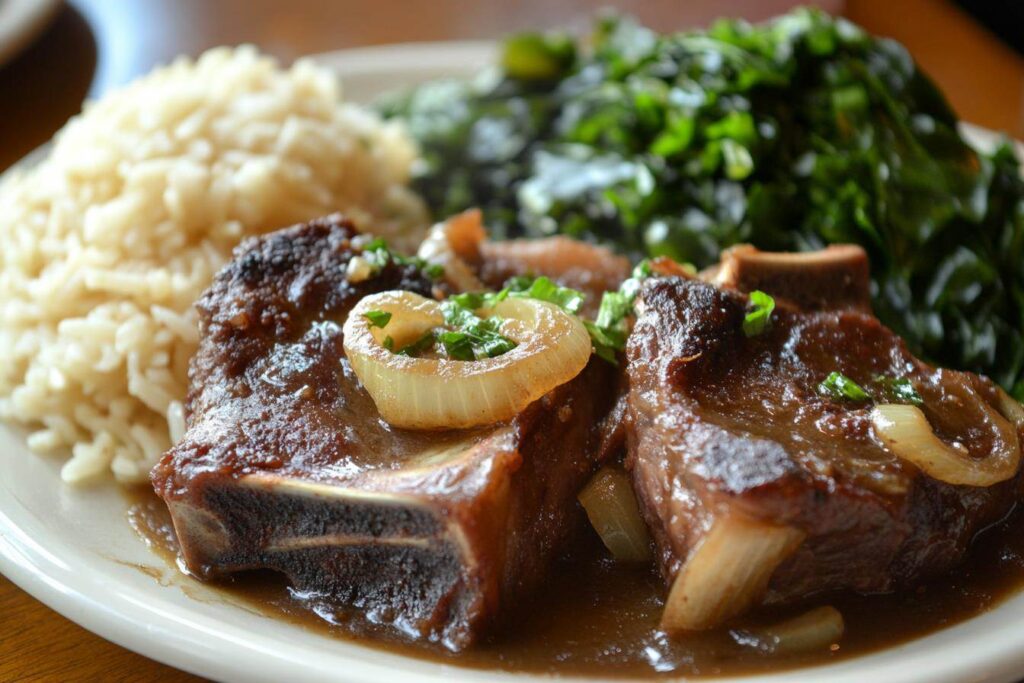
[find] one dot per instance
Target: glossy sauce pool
(597, 617)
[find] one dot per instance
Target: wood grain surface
(38, 645)
(95, 45)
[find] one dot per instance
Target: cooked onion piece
(455, 244)
(1010, 408)
(613, 511)
(728, 572)
(814, 630)
(905, 430)
(440, 393)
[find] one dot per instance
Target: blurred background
(54, 54)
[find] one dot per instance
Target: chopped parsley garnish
(839, 387)
(609, 331)
(469, 337)
(887, 389)
(615, 306)
(378, 318)
(472, 337)
(758, 318)
(378, 255)
(606, 341)
(477, 300)
(544, 289)
(433, 270)
(417, 347)
(642, 269)
(899, 390)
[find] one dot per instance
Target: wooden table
(95, 45)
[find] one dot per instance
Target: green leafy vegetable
(378, 318)
(791, 135)
(839, 387)
(759, 317)
(534, 56)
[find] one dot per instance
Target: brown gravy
(597, 617)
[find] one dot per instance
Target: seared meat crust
(287, 465)
(722, 423)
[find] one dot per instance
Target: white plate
(73, 549)
(21, 21)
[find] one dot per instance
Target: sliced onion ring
(1010, 408)
(905, 430)
(430, 393)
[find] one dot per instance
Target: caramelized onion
(439, 393)
(613, 511)
(814, 630)
(454, 245)
(905, 430)
(728, 572)
(1010, 408)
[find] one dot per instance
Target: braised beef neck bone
(836, 277)
(286, 464)
(760, 488)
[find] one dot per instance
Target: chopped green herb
(609, 331)
(468, 300)
(378, 255)
(389, 343)
(535, 56)
(457, 345)
(606, 341)
(481, 338)
(839, 387)
(376, 244)
(642, 269)
(472, 337)
(424, 343)
(519, 283)
(758, 318)
(457, 315)
(477, 300)
(544, 289)
(497, 345)
(615, 306)
(899, 390)
(378, 318)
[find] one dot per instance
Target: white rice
(106, 244)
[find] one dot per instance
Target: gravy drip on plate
(596, 617)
